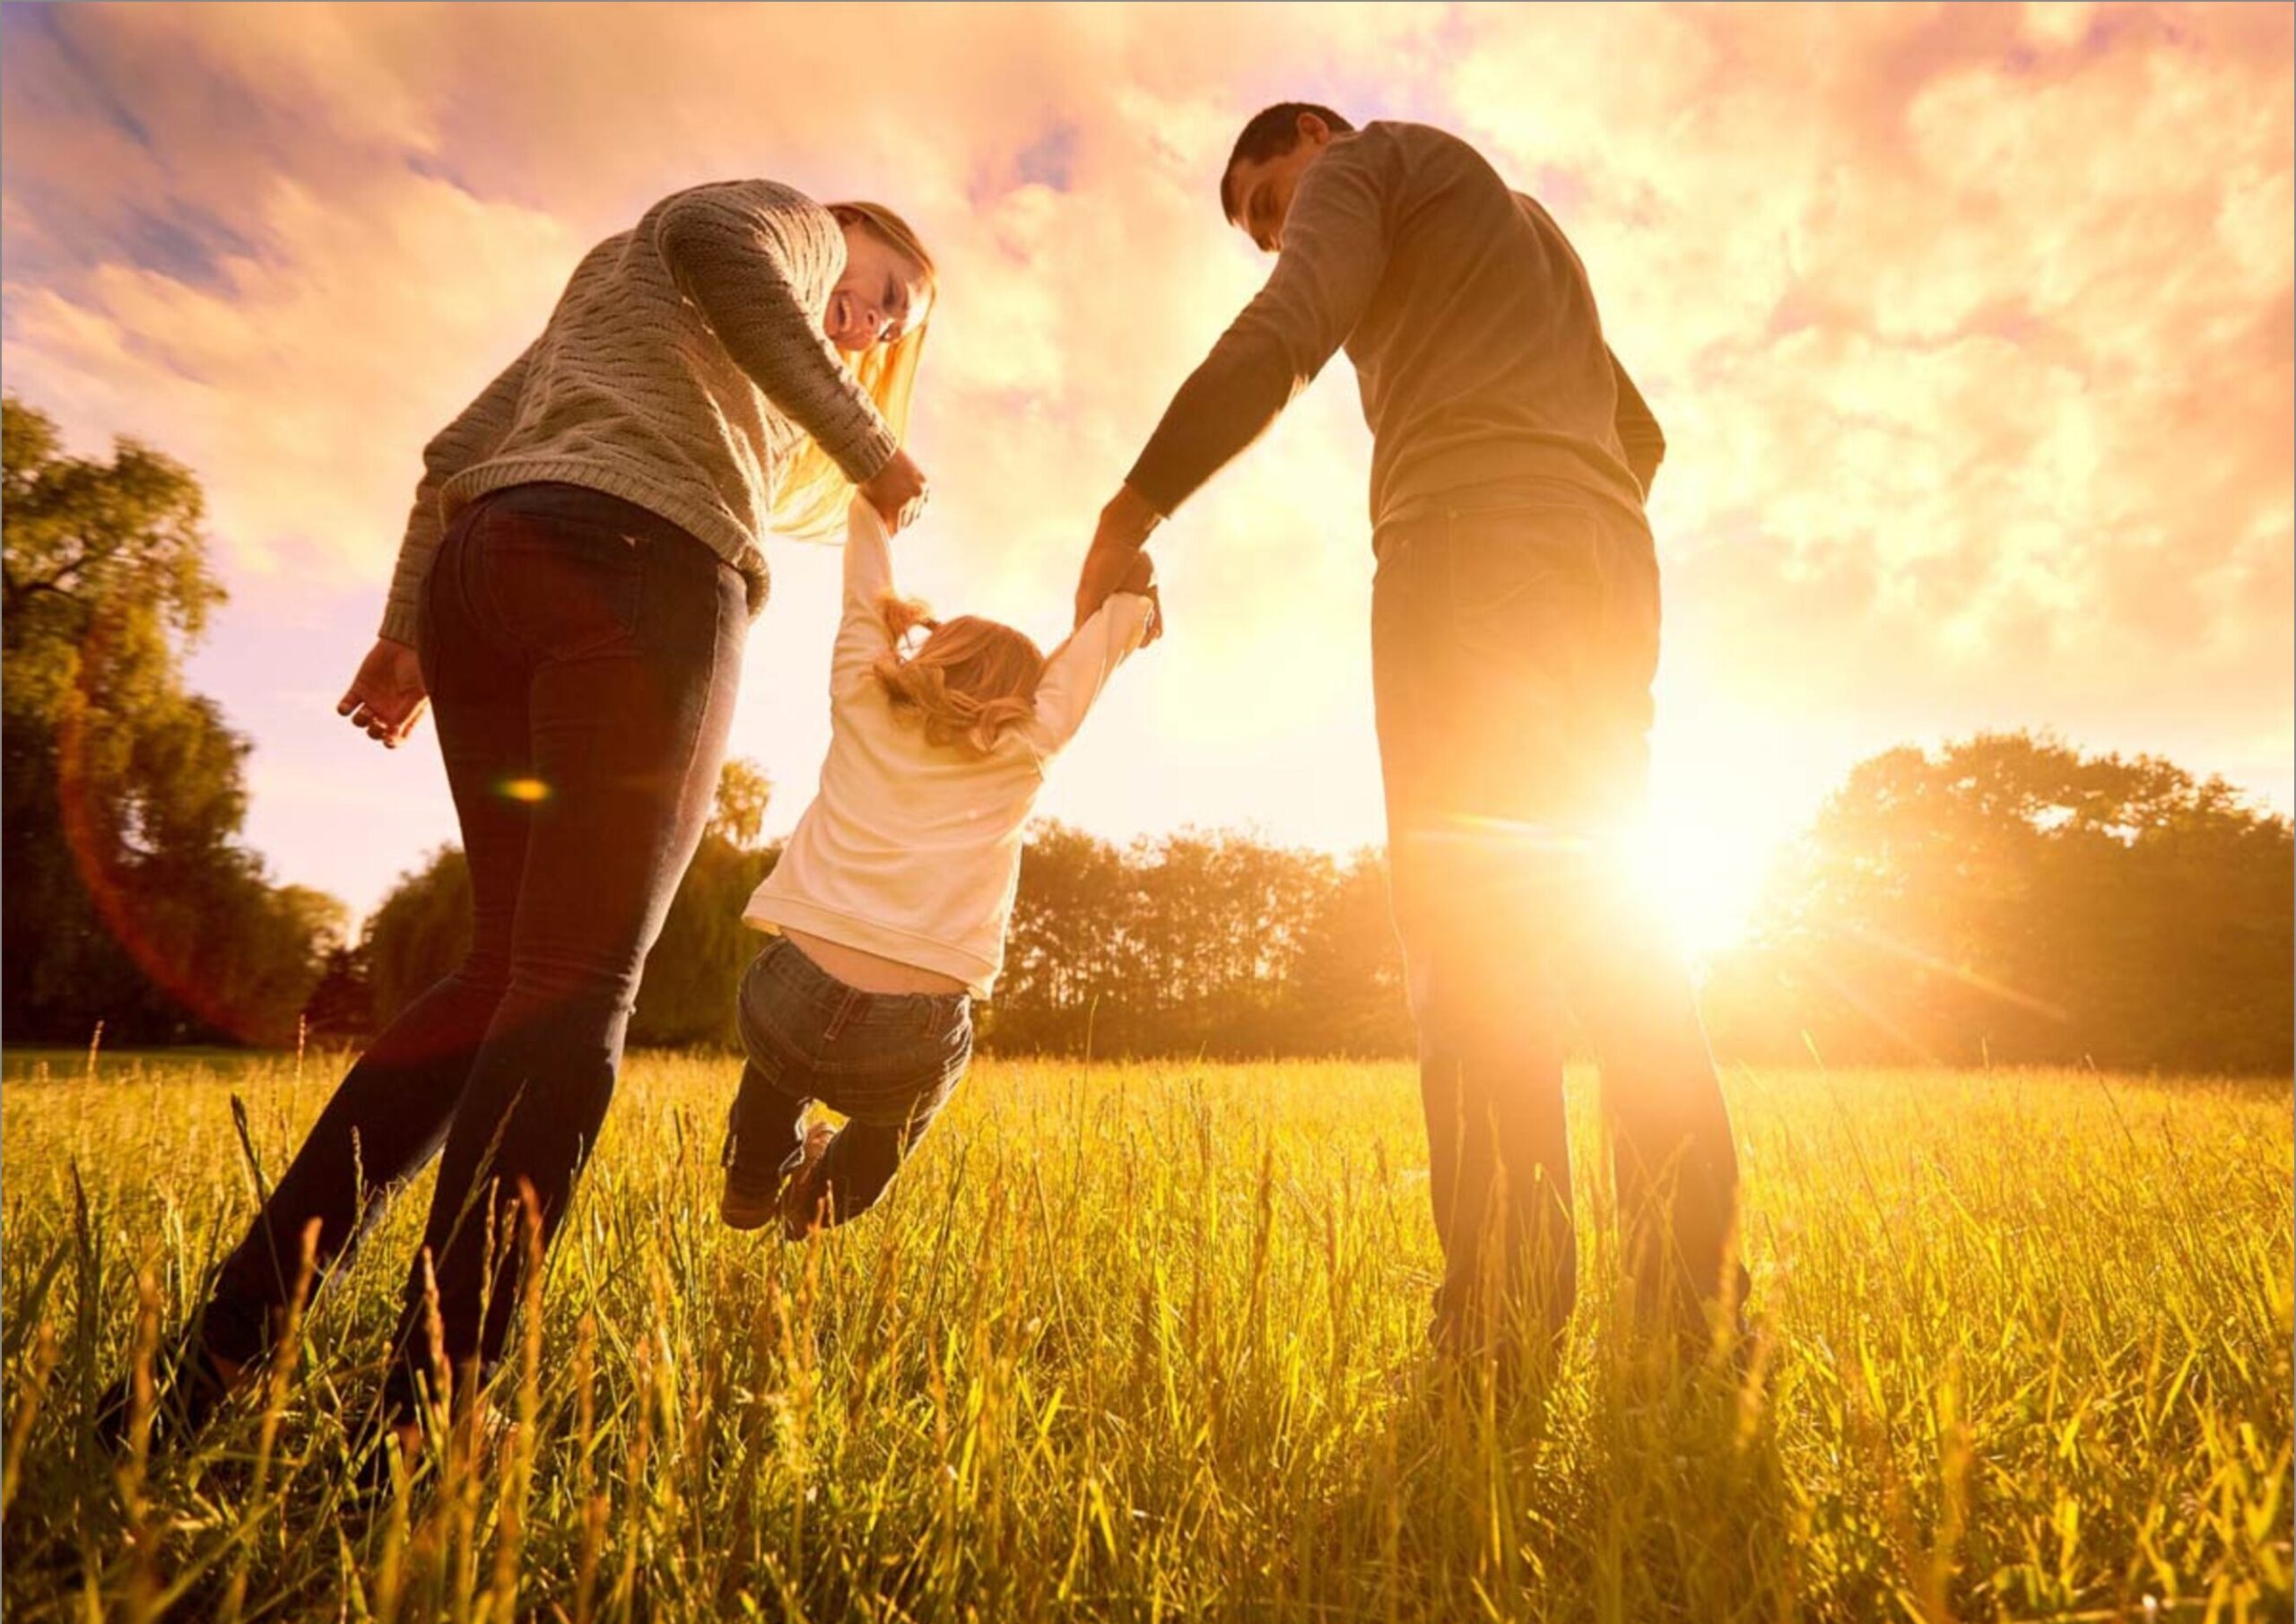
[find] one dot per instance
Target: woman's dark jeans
(1512, 652)
(582, 657)
(888, 1062)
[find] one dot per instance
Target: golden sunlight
(1703, 872)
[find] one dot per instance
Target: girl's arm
(1080, 668)
(470, 439)
(861, 634)
(727, 249)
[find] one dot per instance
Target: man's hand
(386, 698)
(897, 493)
(1124, 525)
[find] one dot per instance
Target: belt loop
(846, 999)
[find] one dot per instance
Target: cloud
(302, 388)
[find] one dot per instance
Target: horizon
(1927, 474)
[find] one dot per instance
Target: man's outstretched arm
(1334, 250)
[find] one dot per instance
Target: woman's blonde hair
(971, 681)
(810, 502)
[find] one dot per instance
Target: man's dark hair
(1272, 132)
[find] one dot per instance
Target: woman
(573, 595)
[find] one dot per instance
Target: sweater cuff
(1157, 484)
(864, 457)
(401, 622)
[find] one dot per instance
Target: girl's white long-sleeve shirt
(911, 850)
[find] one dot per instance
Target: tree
(738, 814)
(2010, 898)
(130, 899)
(1348, 993)
(1197, 943)
(1069, 955)
(341, 1008)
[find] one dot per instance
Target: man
(1514, 637)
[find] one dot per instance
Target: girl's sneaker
(804, 1199)
(750, 1198)
(753, 1175)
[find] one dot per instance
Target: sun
(1700, 872)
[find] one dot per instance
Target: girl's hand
(898, 492)
(1140, 580)
(386, 698)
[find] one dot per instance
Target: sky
(1969, 328)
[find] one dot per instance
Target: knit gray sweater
(681, 370)
(1469, 320)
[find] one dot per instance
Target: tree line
(2004, 899)
(1197, 943)
(2007, 899)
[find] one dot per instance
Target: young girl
(890, 902)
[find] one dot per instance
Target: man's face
(1263, 188)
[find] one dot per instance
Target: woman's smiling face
(882, 296)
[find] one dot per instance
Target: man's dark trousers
(1515, 636)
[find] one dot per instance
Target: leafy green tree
(130, 899)
(1220, 920)
(341, 1007)
(1070, 958)
(2009, 898)
(738, 814)
(1197, 943)
(1347, 994)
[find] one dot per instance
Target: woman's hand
(386, 698)
(898, 492)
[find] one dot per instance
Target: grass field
(1143, 1342)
